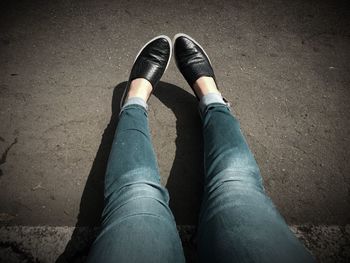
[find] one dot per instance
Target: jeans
(237, 223)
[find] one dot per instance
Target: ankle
(205, 85)
(140, 88)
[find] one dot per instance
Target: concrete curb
(329, 243)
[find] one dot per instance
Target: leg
(138, 225)
(238, 222)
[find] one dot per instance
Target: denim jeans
(238, 222)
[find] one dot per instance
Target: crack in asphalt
(4, 155)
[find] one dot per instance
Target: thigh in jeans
(238, 222)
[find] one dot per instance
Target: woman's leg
(138, 225)
(238, 222)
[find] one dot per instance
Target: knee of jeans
(140, 189)
(247, 177)
(232, 188)
(114, 181)
(137, 198)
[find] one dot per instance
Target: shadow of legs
(185, 181)
(186, 175)
(91, 204)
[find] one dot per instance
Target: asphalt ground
(283, 65)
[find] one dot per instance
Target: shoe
(191, 59)
(150, 63)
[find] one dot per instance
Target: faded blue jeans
(238, 222)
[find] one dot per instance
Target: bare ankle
(140, 88)
(205, 85)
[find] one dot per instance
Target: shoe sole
(171, 52)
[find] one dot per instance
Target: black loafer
(150, 63)
(191, 59)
